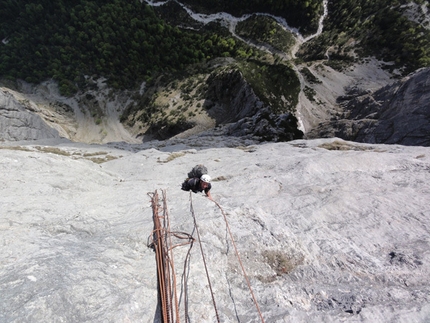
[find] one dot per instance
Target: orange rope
(159, 254)
(162, 239)
(172, 263)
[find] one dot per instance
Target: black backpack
(198, 171)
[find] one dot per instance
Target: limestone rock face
(235, 102)
(19, 122)
(394, 114)
(231, 97)
(267, 126)
(327, 231)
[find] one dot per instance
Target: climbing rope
(203, 256)
(240, 261)
(161, 240)
(237, 255)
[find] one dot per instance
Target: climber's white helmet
(205, 178)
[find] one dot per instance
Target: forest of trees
(380, 29)
(301, 14)
(127, 42)
(123, 41)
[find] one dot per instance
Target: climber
(196, 184)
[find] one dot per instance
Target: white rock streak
(231, 21)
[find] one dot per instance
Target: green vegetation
(311, 78)
(127, 43)
(310, 93)
(343, 145)
(97, 157)
(264, 29)
(277, 85)
(123, 41)
(281, 262)
(378, 28)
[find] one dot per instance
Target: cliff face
(20, 121)
(231, 97)
(395, 114)
(225, 96)
(224, 92)
(238, 105)
(401, 112)
(89, 117)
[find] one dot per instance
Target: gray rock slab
(327, 231)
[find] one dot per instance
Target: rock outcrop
(267, 126)
(232, 100)
(18, 120)
(394, 114)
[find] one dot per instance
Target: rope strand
(240, 261)
(203, 256)
(163, 246)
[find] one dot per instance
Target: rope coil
(161, 240)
